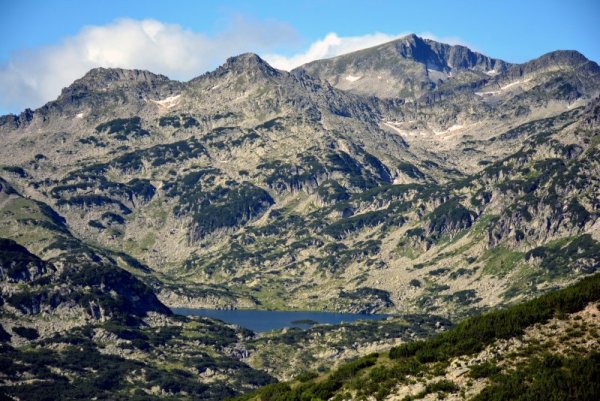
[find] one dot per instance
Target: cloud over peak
(330, 46)
(31, 78)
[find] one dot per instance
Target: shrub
(483, 370)
(26, 332)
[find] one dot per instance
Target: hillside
(543, 349)
(78, 325)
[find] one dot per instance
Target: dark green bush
(26, 332)
(483, 370)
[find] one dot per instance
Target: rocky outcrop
(17, 264)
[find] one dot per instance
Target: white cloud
(32, 77)
(330, 46)
(333, 45)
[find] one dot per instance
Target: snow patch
(168, 102)
(482, 94)
(80, 115)
(503, 88)
(508, 86)
(353, 78)
(437, 75)
(404, 132)
(453, 128)
(492, 72)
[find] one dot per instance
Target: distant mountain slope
(77, 280)
(453, 185)
(253, 187)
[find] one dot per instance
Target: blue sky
(40, 35)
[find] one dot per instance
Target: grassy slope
(539, 376)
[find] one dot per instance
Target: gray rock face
(444, 57)
(553, 60)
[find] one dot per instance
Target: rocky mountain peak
(409, 66)
(247, 59)
(101, 85)
(586, 72)
(247, 63)
(565, 57)
(571, 59)
(104, 79)
(443, 56)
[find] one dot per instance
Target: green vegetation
(334, 240)
(178, 121)
(311, 390)
(332, 192)
(18, 264)
(124, 128)
(463, 297)
(500, 260)
(338, 256)
(132, 162)
(411, 170)
(91, 201)
(473, 334)
(343, 227)
(275, 123)
(286, 176)
(448, 218)
(549, 377)
(349, 167)
(225, 207)
(366, 296)
(582, 253)
(78, 370)
(380, 169)
(26, 332)
(440, 386)
(483, 370)
(18, 171)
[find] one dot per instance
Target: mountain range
(413, 177)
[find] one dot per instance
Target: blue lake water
(262, 320)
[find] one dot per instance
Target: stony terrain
(78, 325)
